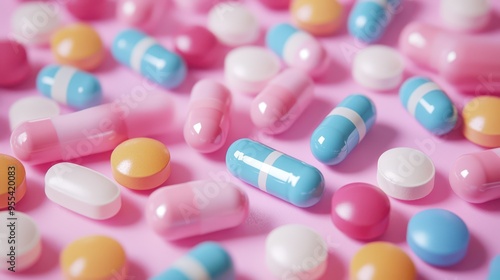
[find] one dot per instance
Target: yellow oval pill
(78, 45)
(94, 257)
(141, 163)
(318, 17)
(12, 181)
(482, 121)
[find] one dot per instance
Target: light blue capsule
(208, 260)
(369, 19)
(70, 86)
(278, 36)
(432, 108)
(147, 57)
(341, 131)
(494, 270)
(438, 237)
(275, 173)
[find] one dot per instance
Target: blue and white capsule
(69, 86)
(276, 173)
(425, 101)
(342, 130)
(144, 55)
(494, 269)
(208, 261)
(369, 19)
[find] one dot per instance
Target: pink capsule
(143, 14)
(282, 101)
(475, 177)
(197, 45)
(14, 66)
(86, 9)
(196, 208)
(207, 124)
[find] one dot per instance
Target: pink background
(148, 254)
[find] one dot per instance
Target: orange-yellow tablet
(12, 181)
(481, 121)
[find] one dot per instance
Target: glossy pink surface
(142, 14)
(311, 57)
(276, 4)
(361, 211)
(14, 64)
(197, 45)
(86, 9)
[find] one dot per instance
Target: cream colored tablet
(32, 108)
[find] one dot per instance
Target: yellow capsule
(318, 17)
(12, 181)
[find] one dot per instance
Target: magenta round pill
(361, 211)
(197, 45)
(14, 66)
(276, 4)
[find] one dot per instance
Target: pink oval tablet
(196, 208)
(14, 66)
(361, 211)
(276, 4)
(143, 14)
(197, 45)
(86, 9)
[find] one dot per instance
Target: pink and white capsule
(207, 124)
(196, 208)
(282, 101)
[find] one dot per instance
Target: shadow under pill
(135, 271)
(324, 206)
(475, 258)
(34, 197)
(335, 268)
(129, 214)
(408, 11)
(108, 64)
(441, 191)
(396, 231)
(336, 73)
(492, 206)
(48, 260)
(4, 129)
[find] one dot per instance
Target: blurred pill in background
(276, 4)
(196, 5)
(494, 270)
(233, 24)
(15, 66)
(12, 182)
(368, 19)
(145, 15)
(86, 9)
(32, 23)
(465, 15)
(318, 17)
(481, 125)
(198, 46)
(31, 108)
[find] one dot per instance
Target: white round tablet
(378, 67)
(249, 68)
(33, 23)
(32, 108)
(465, 15)
(296, 252)
(405, 173)
(233, 24)
(28, 244)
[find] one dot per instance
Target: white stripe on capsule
(138, 53)
(266, 169)
(418, 94)
(191, 268)
(62, 78)
(353, 117)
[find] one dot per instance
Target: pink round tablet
(143, 14)
(197, 45)
(361, 211)
(86, 9)
(14, 66)
(276, 4)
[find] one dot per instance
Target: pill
(382, 261)
(276, 4)
(494, 269)
(378, 68)
(91, 131)
(448, 54)
(361, 211)
(196, 208)
(28, 242)
(475, 178)
(15, 66)
(195, 5)
(207, 260)
(438, 237)
(427, 102)
(12, 181)
(197, 45)
(140, 163)
(31, 108)
(82, 190)
(282, 101)
(78, 45)
(32, 23)
(481, 126)
(142, 14)
(233, 24)
(318, 17)
(405, 173)
(207, 124)
(87, 9)
(93, 257)
(298, 49)
(275, 173)
(465, 15)
(296, 252)
(342, 129)
(146, 56)
(70, 86)
(248, 69)
(369, 19)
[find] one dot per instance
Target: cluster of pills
(280, 77)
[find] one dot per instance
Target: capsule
(494, 269)
(345, 126)
(146, 56)
(207, 124)
(368, 19)
(196, 208)
(291, 44)
(282, 101)
(70, 86)
(208, 260)
(273, 172)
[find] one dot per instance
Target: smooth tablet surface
(296, 251)
(15, 66)
(33, 23)
(93, 257)
(382, 261)
(140, 163)
(361, 210)
(87, 9)
(12, 181)
(481, 125)
(378, 67)
(248, 69)
(197, 45)
(27, 248)
(32, 108)
(494, 271)
(143, 14)
(438, 237)
(465, 15)
(233, 24)
(405, 173)
(318, 17)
